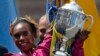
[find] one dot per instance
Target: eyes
(25, 33)
(42, 30)
(22, 33)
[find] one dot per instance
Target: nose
(40, 33)
(22, 37)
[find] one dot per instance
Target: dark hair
(21, 20)
(3, 50)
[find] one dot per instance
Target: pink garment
(10, 54)
(44, 47)
(18, 54)
(42, 50)
(77, 49)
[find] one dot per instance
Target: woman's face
(23, 36)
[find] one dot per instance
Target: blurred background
(33, 8)
(36, 8)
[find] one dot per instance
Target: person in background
(43, 27)
(44, 33)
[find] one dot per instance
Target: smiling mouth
(23, 43)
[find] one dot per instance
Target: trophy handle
(92, 22)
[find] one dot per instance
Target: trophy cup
(70, 18)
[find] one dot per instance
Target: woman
(24, 33)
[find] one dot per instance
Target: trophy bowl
(69, 22)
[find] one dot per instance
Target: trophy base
(61, 53)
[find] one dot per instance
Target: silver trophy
(71, 19)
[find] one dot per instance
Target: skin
(23, 37)
(84, 35)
